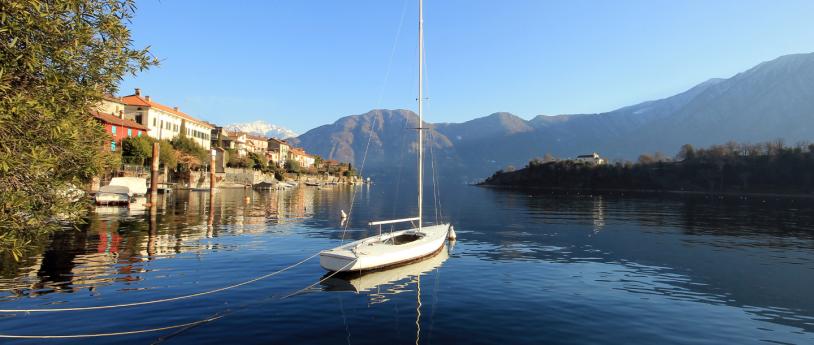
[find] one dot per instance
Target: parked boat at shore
(121, 191)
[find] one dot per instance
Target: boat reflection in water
(383, 283)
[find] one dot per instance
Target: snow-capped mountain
(263, 128)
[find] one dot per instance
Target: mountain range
(262, 128)
(773, 100)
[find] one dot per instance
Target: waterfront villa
(118, 128)
(256, 143)
(592, 158)
(279, 149)
(299, 155)
(165, 122)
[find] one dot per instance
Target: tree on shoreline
(57, 60)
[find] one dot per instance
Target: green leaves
(57, 59)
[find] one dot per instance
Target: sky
(302, 63)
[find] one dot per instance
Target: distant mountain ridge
(262, 128)
(772, 100)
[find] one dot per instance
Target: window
(154, 122)
(112, 146)
(129, 132)
(113, 129)
(138, 133)
(139, 117)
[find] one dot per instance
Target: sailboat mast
(420, 112)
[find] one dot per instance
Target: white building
(593, 158)
(165, 122)
(111, 105)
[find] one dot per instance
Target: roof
(115, 120)
(256, 137)
(111, 98)
(137, 100)
(279, 141)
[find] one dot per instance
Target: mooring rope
(321, 280)
(93, 335)
(164, 299)
(149, 330)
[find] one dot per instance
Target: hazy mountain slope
(775, 99)
(772, 100)
(392, 141)
(494, 125)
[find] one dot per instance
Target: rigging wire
(378, 102)
(435, 177)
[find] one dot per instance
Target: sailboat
(396, 247)
(386, 282)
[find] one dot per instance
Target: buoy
(451, 234)
(344, 215)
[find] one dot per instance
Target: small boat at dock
(121, 191)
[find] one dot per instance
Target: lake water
(527, 268)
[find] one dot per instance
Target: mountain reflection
(749, 254)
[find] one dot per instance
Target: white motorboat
(397, 247)
(121, 191)
(113, 195)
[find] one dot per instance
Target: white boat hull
(373, 253)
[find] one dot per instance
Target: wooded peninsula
(770, 167)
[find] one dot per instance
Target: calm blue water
(544, 268)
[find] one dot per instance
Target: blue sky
(302, 63)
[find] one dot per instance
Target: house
(220, 138)
(592, 158)
(256, 143)
(299, 155)
(111, 105)
(237, 142)
(273, 156)
(165, 122)
(281, 148)
(119, 128)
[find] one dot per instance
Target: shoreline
(652, 191)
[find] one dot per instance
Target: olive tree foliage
(57, 59)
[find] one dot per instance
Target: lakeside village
(188, 144)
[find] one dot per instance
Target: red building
(119, 128)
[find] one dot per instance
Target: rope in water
(184, 325)
(321, 280)
(164, 299)
(63, 336)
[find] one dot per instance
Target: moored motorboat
(112, 195)
(121, 190)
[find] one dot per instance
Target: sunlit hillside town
(139, 117)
